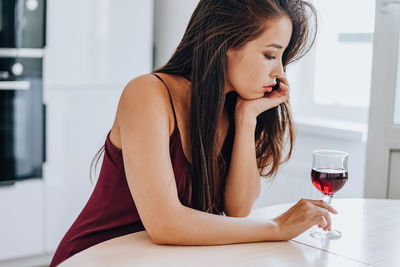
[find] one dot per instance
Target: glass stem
(327, 199)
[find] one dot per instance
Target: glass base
(321, 234)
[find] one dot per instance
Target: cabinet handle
(384, 8)
(17, 85)
(44, 131)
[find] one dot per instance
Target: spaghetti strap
(170, 98)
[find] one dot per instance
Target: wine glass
(328, 175)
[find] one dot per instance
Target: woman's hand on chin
(250, 109)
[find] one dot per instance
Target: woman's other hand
(303, 215)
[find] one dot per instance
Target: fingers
(284, 80)
(283, 86)
(319, 211)
(303, 215)
(322, 204)
(326, 219)
(283, 90)
(272, 100)
(320, 221)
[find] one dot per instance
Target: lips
(268, 88)
(271, 85)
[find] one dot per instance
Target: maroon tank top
(110, 211)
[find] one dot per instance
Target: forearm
(243, 180)
(192, 227)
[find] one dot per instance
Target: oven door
(22, 23)
(21, 123)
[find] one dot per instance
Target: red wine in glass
(329, 180)
(328, 175)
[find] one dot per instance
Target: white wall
(170, 20)
(396, 115)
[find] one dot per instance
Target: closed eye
(269, 57)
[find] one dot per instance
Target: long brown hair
(215, 26)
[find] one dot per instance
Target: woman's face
(252, 68)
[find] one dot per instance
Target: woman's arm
(243, 180)
(144, 124)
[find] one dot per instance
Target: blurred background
(64, 64)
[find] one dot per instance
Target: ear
(231, 52)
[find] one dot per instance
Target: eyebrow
(275, 46)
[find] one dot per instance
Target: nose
(277, 70)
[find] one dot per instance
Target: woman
(190, 140)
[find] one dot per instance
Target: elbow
(160, 237)
(239, 212)
(166, 235)
(164, 232)
(158, 240)
(238, 208)
(154, 235)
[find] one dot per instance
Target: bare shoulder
(143, 94)
(144, 101)
(145, 88)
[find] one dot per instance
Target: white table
(371, 237)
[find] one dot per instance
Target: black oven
(22, 112)
(22, 23)
(22, 119)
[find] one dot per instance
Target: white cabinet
(94, 47)
(77, 124)
(98, 41)
(21, 219)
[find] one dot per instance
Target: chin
(247, 97)
(251, 95)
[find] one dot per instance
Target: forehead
(277, 31)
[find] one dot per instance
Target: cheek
(250, 75)
(247, 76)
(254, 71)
